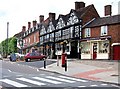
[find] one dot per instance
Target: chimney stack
(23, 28)
(29, 25)
(52, 16)
(34, 23)
(108, 10)
(41, 18)
(79, 5)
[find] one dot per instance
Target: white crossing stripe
(75, 79)
(103, 84)
(47, 80)
(81, 86)
(31, 81)
(13, 83)
(93, 85)
(60, 79)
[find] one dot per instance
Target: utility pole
(7, 37)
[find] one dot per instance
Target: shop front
(95, 49)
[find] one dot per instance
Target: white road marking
(9, 70)
(31, 81)
(19, 75)
(60, 79)
(13, 83)
(5, 76)
(93, 85)
(103, 84)
(37, 69)
(81, 86)
(47, 80)
(75, 79)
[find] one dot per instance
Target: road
(22, 74)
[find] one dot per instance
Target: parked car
(19, 55)
(34, 55)
(0, 56)
(13, 57)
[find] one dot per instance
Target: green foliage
(8, 46)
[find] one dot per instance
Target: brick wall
(91, 13)
(113, 31)
(31, 36)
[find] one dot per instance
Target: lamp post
(7, 37)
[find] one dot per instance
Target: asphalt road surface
(15, 75)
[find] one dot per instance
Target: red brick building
(20, 40)
(31, 37)
(101, 39)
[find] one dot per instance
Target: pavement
(95, 70)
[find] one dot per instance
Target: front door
(94, 50)
(73, 52)
(116, 52)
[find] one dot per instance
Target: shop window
(85, 47)
(104, 47)
(104, 30)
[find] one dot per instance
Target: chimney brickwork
(23, 28)
(79, 5)
(52, 16)
(34, 23)
(108, 9)
(41, 18)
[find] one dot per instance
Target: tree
(10, 48)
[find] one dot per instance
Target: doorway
(116, 52)
(94, 50)
(73, 52)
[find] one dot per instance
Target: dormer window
(104, 30)
(87, 32)
(72, 19)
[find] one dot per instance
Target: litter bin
(63, 59)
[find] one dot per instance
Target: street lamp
(7, 37)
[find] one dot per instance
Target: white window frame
(87, 32)
(29, 40)
(34, 38)
(104, 30)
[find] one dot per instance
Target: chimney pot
(52, 16)
(29, 25)
(108, 10)
(41, 18)
(34, 23)
(23, 28)
(79, 5)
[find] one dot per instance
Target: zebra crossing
(23, 81)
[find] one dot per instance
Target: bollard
(57, 60)
(44, 63)
(65, 65)
(66, 62)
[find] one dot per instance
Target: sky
(19, 12)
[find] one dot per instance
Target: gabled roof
(64, 17)
(105, 21)
(18, 35)
(81, 12)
